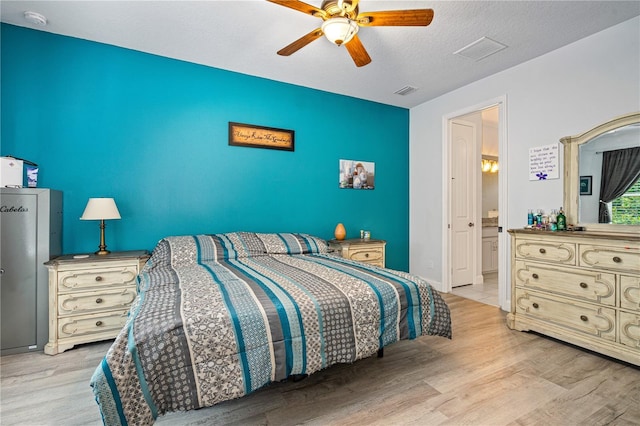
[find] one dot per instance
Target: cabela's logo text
(13, 209)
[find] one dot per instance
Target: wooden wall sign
(260, 137)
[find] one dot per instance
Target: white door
(462, 209)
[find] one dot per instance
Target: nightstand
(363, 250)
(90, 296)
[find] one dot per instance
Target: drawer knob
(616, 259)
(98, 278)
(366, 255)
(543, 251)
(584, 318)
(535, 276)
(535, 305)
(583, 285)
(99, 300)
(98, 323)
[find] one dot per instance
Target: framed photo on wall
(585, 185)
(356, 174)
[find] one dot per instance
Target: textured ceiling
(243, 36)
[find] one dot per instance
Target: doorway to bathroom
(484, 199)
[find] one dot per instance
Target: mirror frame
(571, 198)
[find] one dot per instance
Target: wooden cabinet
(580, 287)
(489, 249)
(361, 250)
(89, 298)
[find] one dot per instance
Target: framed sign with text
(261, 137)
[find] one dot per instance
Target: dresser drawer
(93, 301)
(619, 258)
(630, 292)
(546, 251)
(630, 329)
(593, 286)
(82, 325)
(79, 280)
(586, 318)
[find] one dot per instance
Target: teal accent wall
(152, 132)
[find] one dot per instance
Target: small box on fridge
(11, 172)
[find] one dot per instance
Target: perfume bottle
(562, 220)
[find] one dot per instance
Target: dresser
(579, 287)
(362, 250)
(90, 296)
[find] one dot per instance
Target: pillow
(292, 243)
(181, 251)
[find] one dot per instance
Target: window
(626, 209)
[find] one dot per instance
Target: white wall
(562, 93)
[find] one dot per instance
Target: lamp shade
(339, 30)
(100, 209)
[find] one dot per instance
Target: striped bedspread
(220, 316)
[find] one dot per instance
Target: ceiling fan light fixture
(339, 30)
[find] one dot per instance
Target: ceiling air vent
(405, 90)
(480, 49)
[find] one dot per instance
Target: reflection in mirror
(601, 171)
(616, 155)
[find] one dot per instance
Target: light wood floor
(486, 375)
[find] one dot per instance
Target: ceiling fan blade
(301, 7)
(358, 52)
(300, 43)
(403, 18)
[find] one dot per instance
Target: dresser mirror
(584, 155)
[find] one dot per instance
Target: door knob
(471, 224)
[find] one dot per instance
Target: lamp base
(102, 247)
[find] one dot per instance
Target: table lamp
(101, 209)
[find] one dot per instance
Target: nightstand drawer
(368, 256)
(102, 300)
(361, 250)
(107, 323)
(79, 280)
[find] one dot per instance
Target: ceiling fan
(342, 20)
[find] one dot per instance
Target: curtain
(620, 170)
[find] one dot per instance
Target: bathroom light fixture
(489, 166)
(339, 30)
(101, 209)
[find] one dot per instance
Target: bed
(220, 316)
